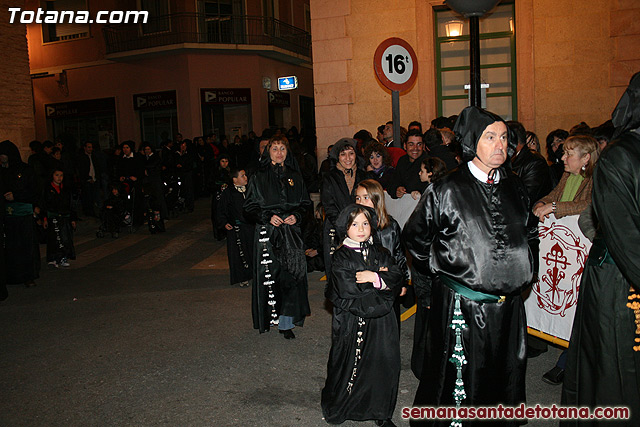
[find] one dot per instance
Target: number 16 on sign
(396, 67)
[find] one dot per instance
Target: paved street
(146, 330)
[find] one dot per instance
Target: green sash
(469, 293)
(19, 209)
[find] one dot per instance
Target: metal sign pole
(395, 116)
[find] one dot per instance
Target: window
(158, 16)
(497, 60)
(65, 31)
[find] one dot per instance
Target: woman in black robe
(276, 200)
(364, 361)
(338, 191)
(603, 366)
(22, 253)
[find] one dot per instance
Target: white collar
(479, 174)
(352, 244)
(129, 156)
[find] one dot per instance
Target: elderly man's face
(492, 146)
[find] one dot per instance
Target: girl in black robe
(364, 361)
(338, 191)
(276, 200)
(60, 221)
(370, 193)
(230, 217)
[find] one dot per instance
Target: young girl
(59, 221)
(370, 193)
(364, 361)
(431, 169)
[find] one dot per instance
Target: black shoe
(554, 377)
(288, 334)
(385, 423)
(535, 352)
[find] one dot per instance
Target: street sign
(287, 83)
(395, 64)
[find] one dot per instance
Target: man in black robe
(469, 235)
(603, 364)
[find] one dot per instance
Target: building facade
(548, 63)
(195, 67)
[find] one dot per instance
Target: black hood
(343, 217)
(626, 115)
(471, 122)
(9, 149)
(339, 146)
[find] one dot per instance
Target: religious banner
(551, 305)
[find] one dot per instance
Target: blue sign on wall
(287, 83)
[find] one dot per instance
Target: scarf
(349, 176)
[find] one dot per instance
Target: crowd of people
(482, 188)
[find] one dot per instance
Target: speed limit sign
(395, 64)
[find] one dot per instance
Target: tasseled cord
(457, 358)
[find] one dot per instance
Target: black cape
(603, 367)
(364, 339)
(280, 281)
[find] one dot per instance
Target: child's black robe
(364, 361)
(240, 239)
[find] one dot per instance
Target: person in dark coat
(378, 163)
(603, 366)
(276, 201)
(469, 234)
(435, 147)
(59, 221)
(184, 162)
(532, 169)
(152, 181)
(338, 190)
(220, 179)
(240, 232)
(364, 361)
(89, 172)
(406, 178)
(555, 151)
(22, 253)
(130, 170)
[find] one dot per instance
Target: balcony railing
(182, 28)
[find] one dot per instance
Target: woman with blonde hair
(370, 193)
(573, 193)
(571, 196)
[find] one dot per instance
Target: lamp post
(474, 10)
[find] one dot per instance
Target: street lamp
(473, 9)
(453, 28)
